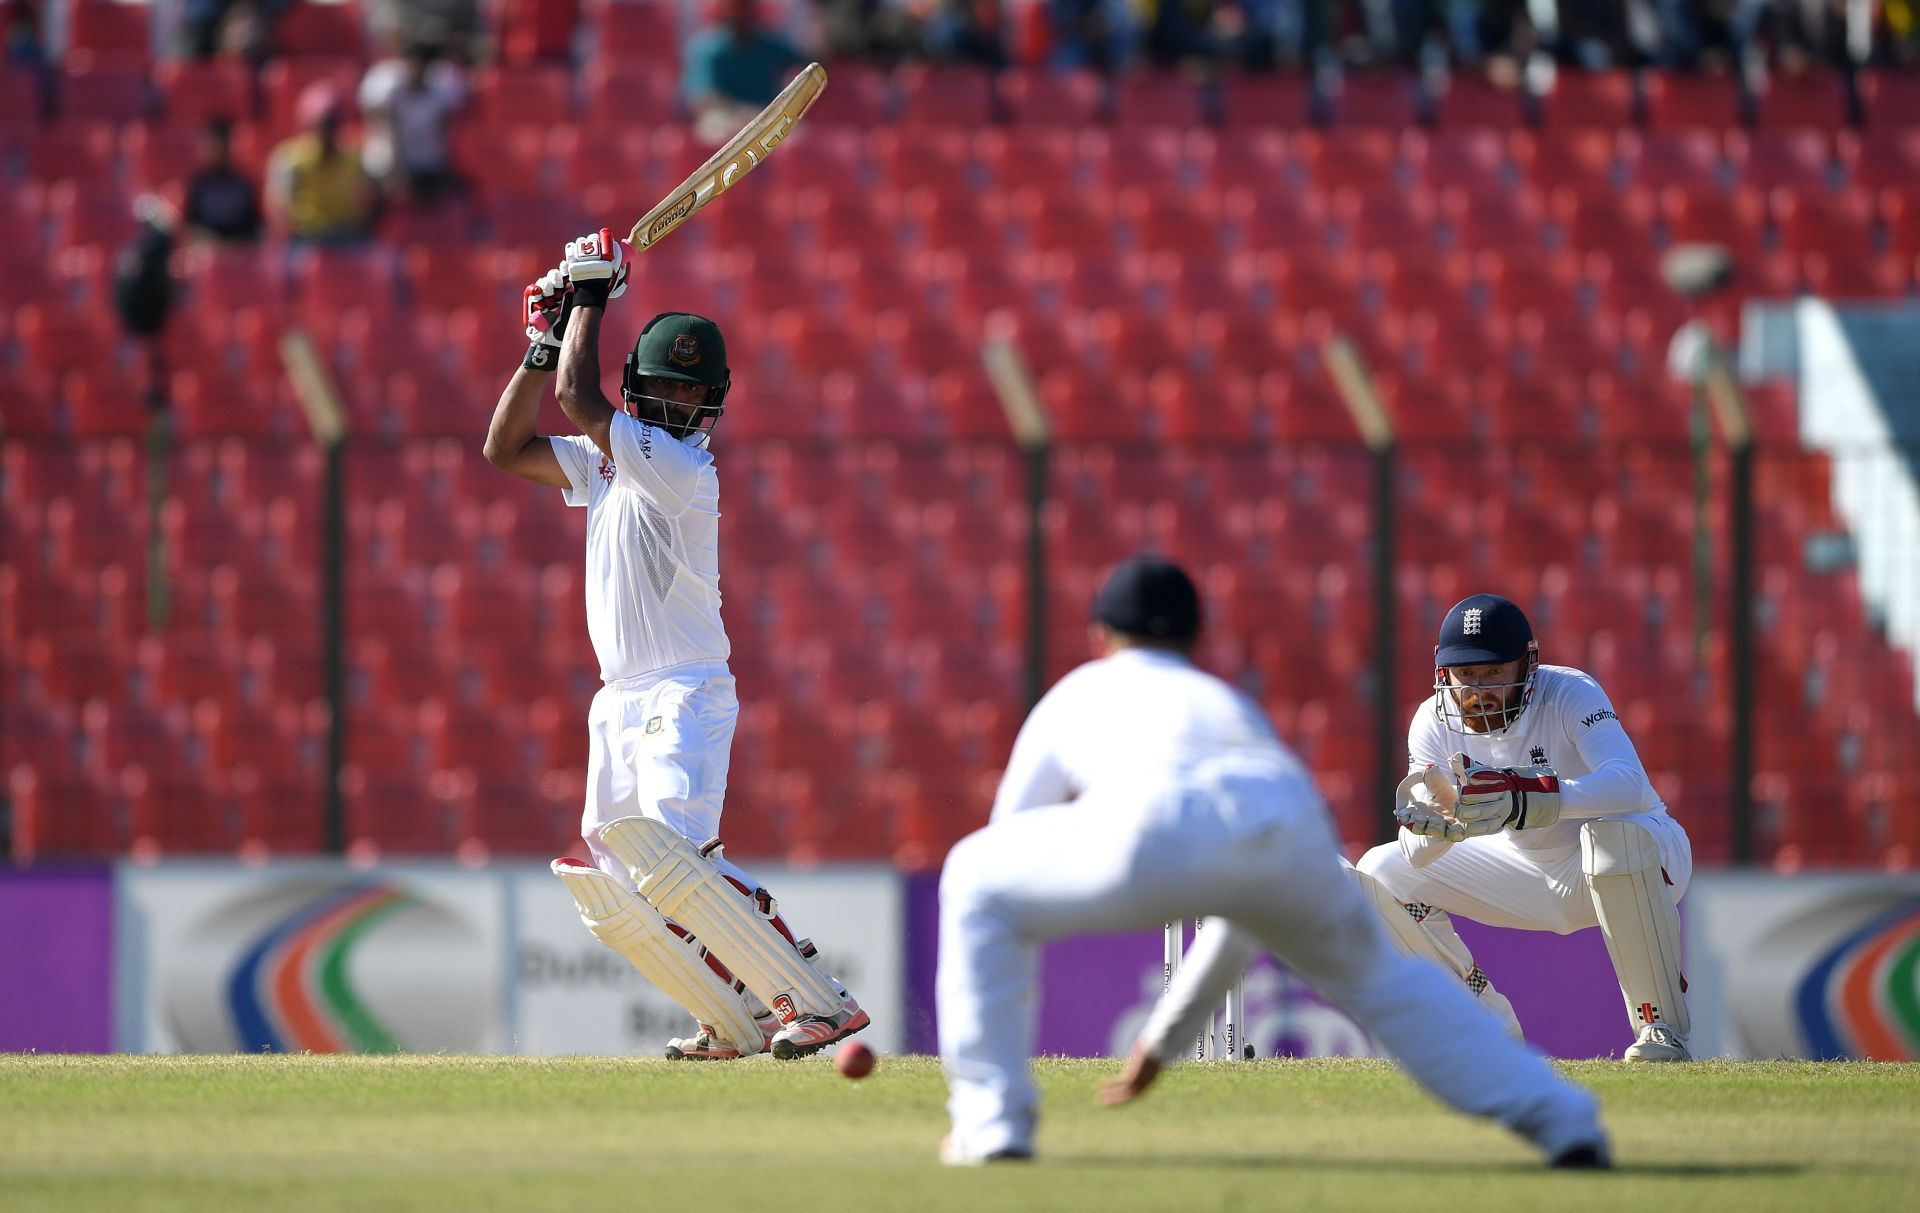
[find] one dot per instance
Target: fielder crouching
(1142, 791)
(1545, 821)
(659, 891)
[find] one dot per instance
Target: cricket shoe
(1658, 1042)
(708, 1045)
(1587, 1156)
(954, 1156)
(812, 1033)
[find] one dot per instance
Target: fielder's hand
(597, 265)
(1424, 804)
(1498, 798)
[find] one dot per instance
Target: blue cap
(1483, 629)
(1152, 598)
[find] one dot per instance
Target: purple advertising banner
(56, 965)
(1095, 992)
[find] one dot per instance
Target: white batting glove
(1498, 798)
(596, 264)
(1424, 801)
(543, 308)
(545, 298)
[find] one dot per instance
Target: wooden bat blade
(740, 156)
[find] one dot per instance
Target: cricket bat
(740, 156)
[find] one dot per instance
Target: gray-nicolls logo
(1470, 622)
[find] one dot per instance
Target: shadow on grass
(1460, 1168)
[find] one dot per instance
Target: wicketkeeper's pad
(1638, 918)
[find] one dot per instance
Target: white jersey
(653, 547)
(1570, 726)
(1139, 719)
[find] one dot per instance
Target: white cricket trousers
(1254, 849)
(659, 747)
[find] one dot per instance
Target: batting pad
(1638, 919)
(1428, 934)
(677, 967)
(677, 880)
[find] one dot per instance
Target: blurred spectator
(1180, 31)
(409, 104)
(316, 186)
(235, 28)
(968, 31)
(22, 26)
(1094, 33)
(222, 203)
(875, 31)
(451, 27)
(733, 69)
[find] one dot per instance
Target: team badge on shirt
(654, 725)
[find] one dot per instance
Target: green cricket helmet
(686, 349)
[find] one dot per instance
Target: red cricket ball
(855, 1060)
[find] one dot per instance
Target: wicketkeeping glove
(1424, 802)
(1498, 798)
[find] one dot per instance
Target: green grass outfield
(594, 1134)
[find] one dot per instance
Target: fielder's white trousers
(659, 747)
(1492, 880)
(1258, 852)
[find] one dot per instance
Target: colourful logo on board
(326, 966)
(1861, 998)
(1837, 977)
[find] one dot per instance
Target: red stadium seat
(1737, 220)
(1366, 159)
(307, 29)
(1474, 102)
(1276, 100)
(1818, 221)
(510, 95)
(1157, 98)
(1814, 100)
(1890, 98)
(642, 32)
(81, 152)
(541, 30)
(1698, 102)
(1581, 158)
(859, 96)
(1386, 99)
(1042, 97)
(103, 88)
(944, 96)
(57, 814)
(1604, 99)
(1685, 158)
(121, 30)
(1880, 158)
(1765, 159)
(194, 91)
(1900, 212)
(161, 156)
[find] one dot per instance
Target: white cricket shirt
(1570, 726)
(1137, 720)
(653, 547)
